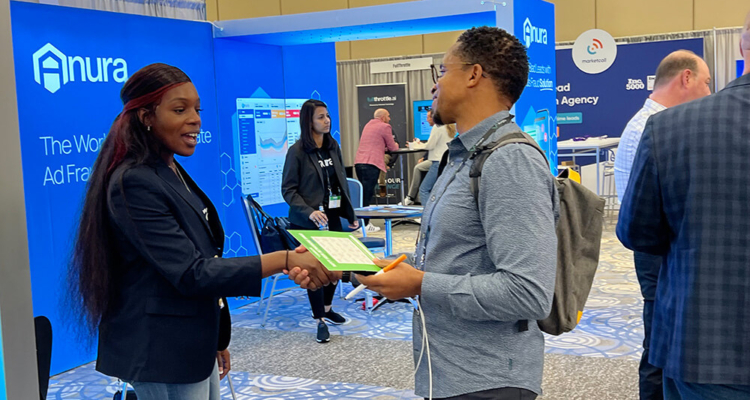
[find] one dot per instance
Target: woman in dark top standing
(314, 185)
(147, 273)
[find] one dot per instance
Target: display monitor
(266, 130)
(422, 128)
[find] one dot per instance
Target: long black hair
(130, 141)
(306, 114)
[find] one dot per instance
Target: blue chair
(254, 221)
(375, 245)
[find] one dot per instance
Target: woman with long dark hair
(147, 272)
(314, 185)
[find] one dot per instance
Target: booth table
(388, 213)
(402, 154)
(586, 148)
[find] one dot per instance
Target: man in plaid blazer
(688, 199)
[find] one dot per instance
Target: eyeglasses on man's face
(439, 71)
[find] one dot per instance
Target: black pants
(650, 384)
(321, 298)
(497, 394)
(367, 174)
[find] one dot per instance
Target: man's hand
(222, 358)
(354, 225)
(400, 282)
(306, 271)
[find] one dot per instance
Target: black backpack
(579, 234)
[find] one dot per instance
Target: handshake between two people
(400, 282)
(307, 272)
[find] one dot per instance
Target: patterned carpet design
(611, 330)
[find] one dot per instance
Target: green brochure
(338, 251)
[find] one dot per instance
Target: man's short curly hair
(501, 55)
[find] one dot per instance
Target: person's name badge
(334, 202)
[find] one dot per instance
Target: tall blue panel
(310, 73)
(70, 66)
(247, 75)
(534, 25)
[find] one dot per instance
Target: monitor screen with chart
(266, 129)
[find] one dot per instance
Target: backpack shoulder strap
(475, 174)
(485, 151)
(443, 163)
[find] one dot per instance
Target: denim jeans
(649, 377)
(679, 390)
(416, 178)
(368, 175)
(428, 182)
(207, 389)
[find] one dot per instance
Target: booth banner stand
(68, 82)
(392, 97)
(534, 26)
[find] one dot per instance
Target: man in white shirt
(436, 145)
(681, 77)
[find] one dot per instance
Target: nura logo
(53, 69)
(597, 45)
(532, 34)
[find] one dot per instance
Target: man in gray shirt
(485, 266)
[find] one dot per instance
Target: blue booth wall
(602, 104)
(271, 79)
(63, 124)
(534, 26)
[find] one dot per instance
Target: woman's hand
(222, 358)
(354, 225)
(319, 218)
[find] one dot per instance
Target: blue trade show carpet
(84, 383)
(281, 360)
(290, 312)
(611, 326)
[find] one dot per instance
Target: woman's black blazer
(165, 322)
(303, 185)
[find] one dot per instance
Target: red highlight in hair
(139, 102)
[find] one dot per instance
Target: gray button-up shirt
(489, 263)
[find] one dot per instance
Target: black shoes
(323, 335)
(334, 318)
